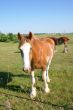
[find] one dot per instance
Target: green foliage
(3, 37)
(8, 37)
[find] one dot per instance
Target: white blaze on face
(26, 51)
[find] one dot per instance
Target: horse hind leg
(46, 89)
(47, 75)
(47, 72)
(65, 49)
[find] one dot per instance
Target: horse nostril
(23, 69)
(30, 69)
(27, 70)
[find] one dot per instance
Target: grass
(15, 84)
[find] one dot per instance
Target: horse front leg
(33, 88)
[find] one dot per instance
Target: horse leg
(46, 89)
(55, 49)
(33, 88)
(47, 74)
(65, 48)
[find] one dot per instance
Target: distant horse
(36, 54)
(61, 40)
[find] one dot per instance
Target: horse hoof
(33, 93)
(32, 96)
(47, 90)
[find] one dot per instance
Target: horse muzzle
(26, 69)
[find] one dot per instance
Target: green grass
(15, 84)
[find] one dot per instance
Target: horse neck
(35, 42)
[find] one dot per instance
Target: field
(15, 84)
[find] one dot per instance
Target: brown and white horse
(36, 54)
(61, 40)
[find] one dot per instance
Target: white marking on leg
(33, 89)
(46, 89)
(65, 49)
(47, 76)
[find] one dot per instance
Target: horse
(36, 54)
(61, 40)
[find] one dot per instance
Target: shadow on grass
(7, 77)
(18, 88)
(17, 52)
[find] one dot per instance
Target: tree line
(13, 37)
(8, 37)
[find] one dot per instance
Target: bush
(3, 37)
(8, 37)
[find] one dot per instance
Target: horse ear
(19, 36)
(30, 35)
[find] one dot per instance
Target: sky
(37, 16)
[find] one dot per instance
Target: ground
(15, 84)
